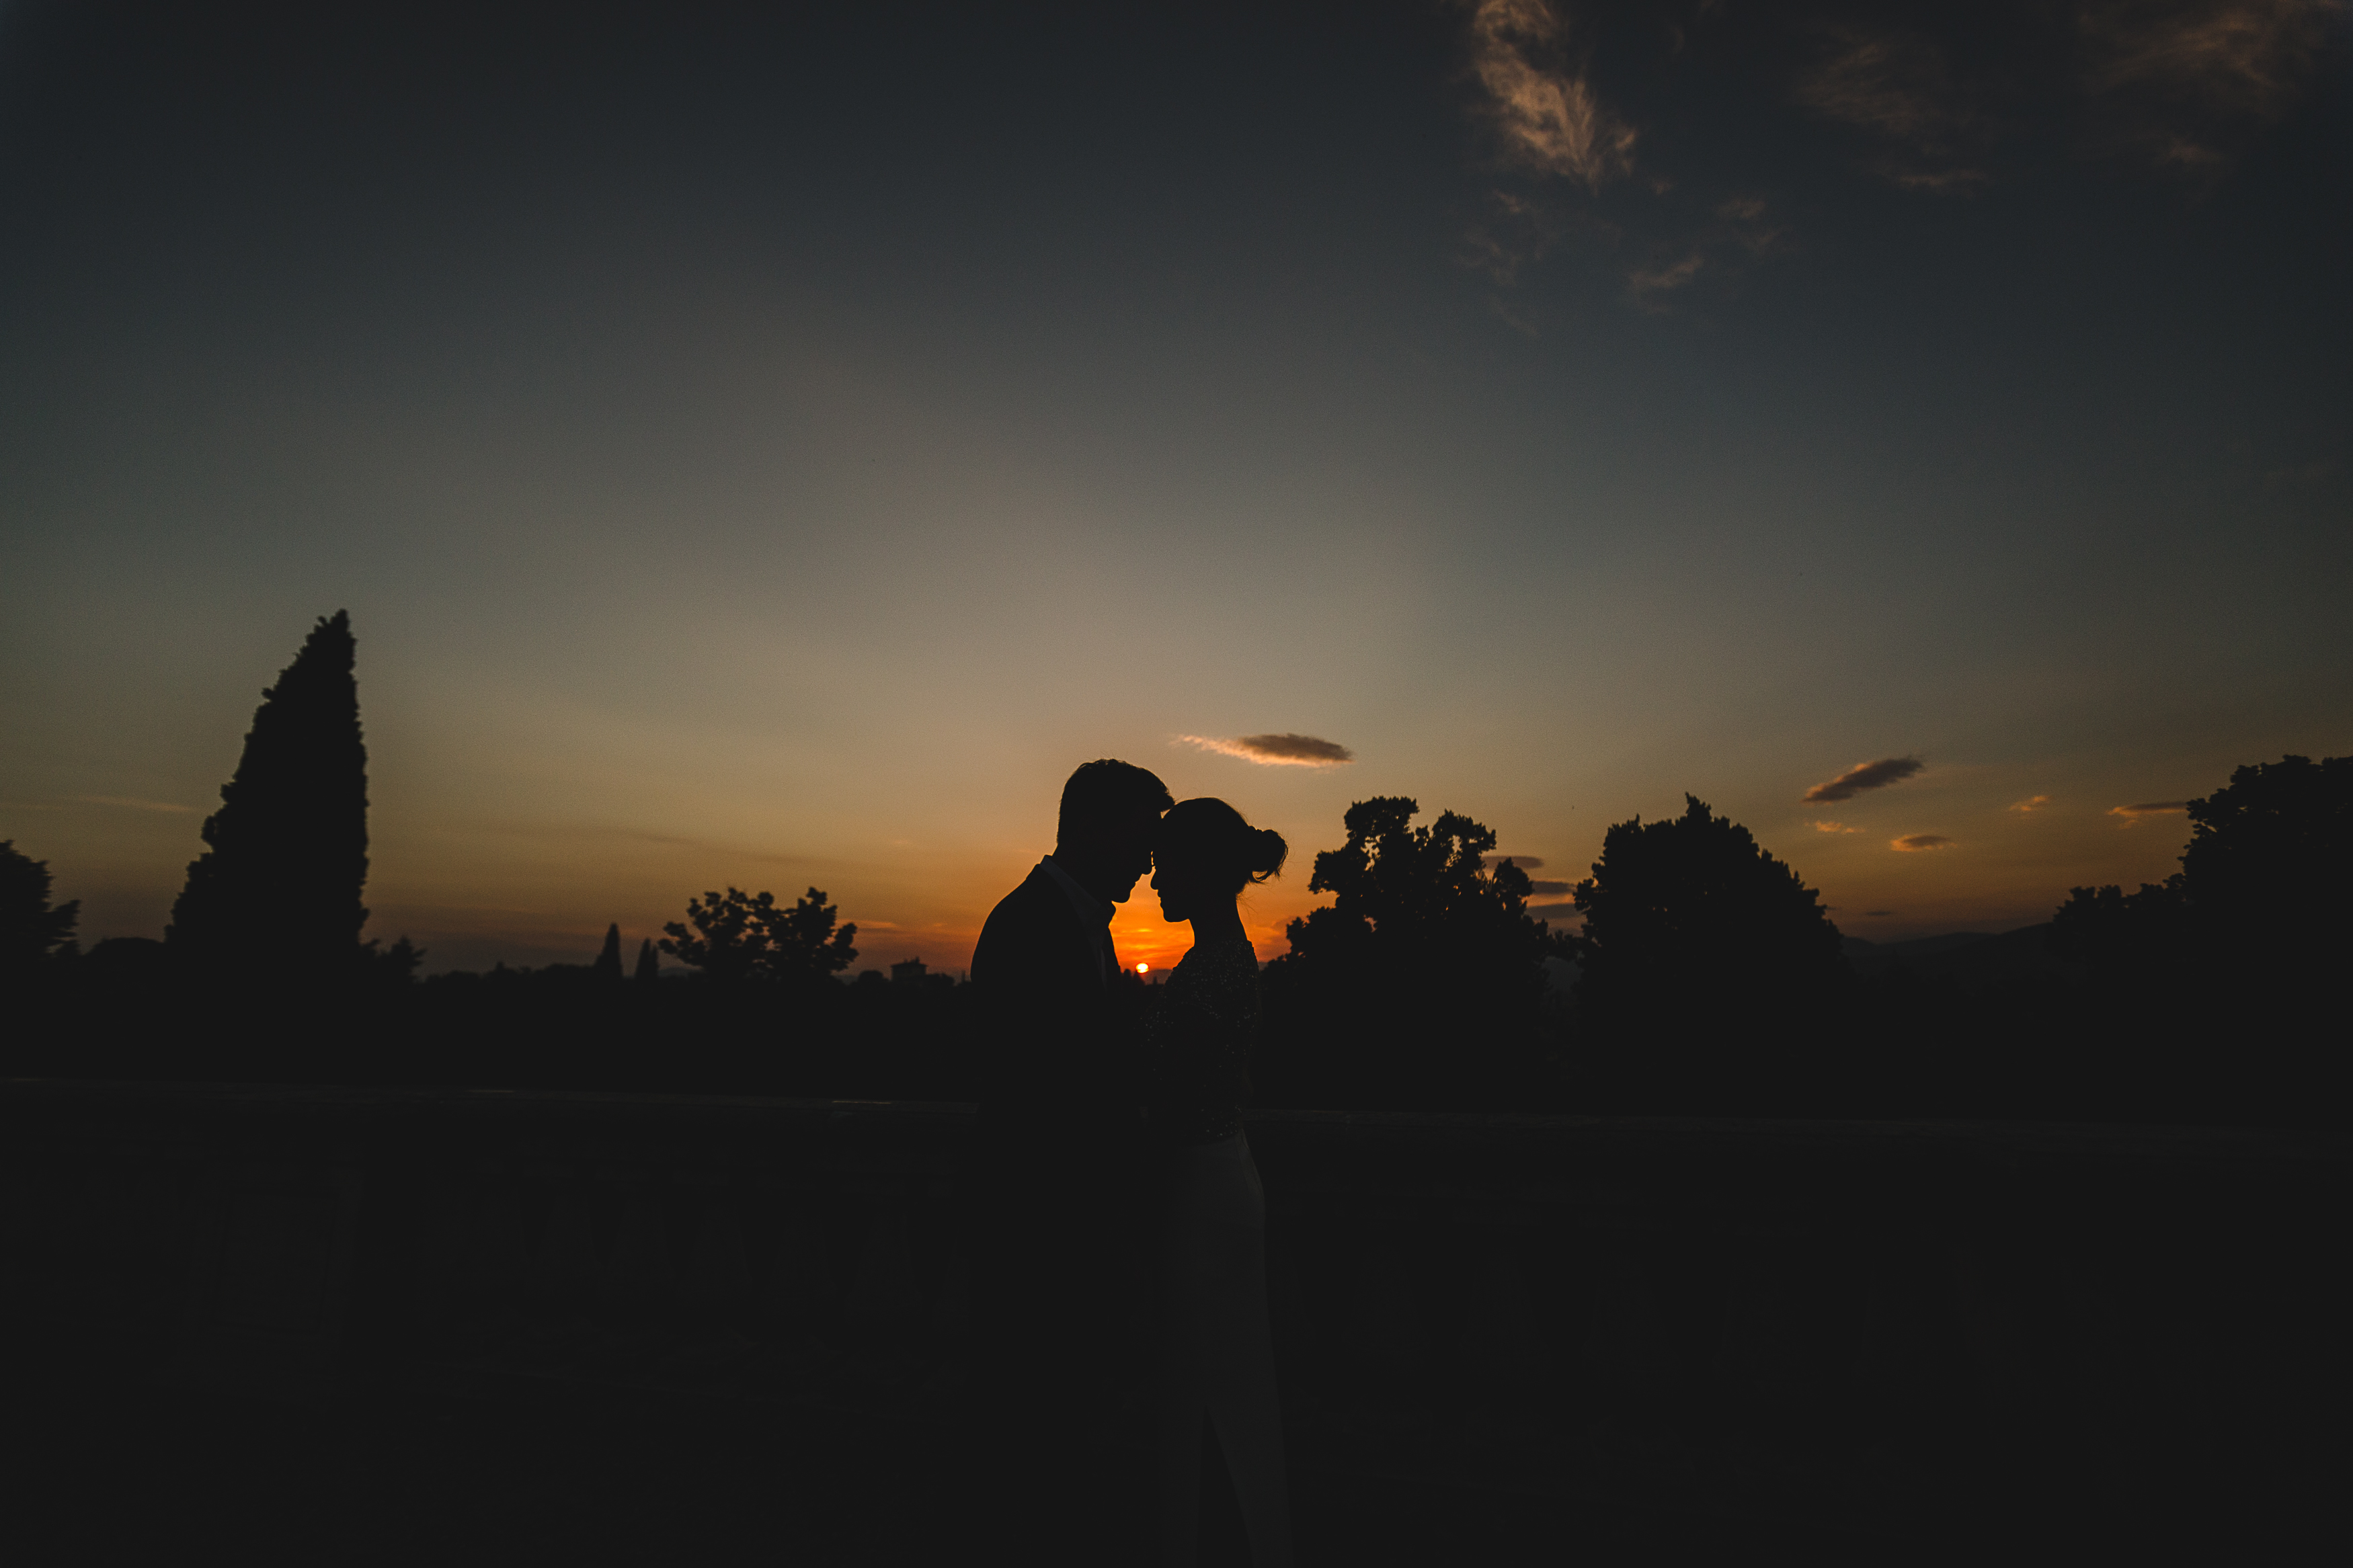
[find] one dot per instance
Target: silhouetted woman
(1216, 1354)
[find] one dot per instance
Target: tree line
(1705, 976)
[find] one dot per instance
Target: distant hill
(1973, 954)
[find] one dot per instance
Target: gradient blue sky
(775, 452)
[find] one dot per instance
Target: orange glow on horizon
(1145, 941)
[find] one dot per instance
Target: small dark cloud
(1283, 751)
(1866, 775)
(1524, 862)
(1912, 843)
(1547, 889)
(1555, 912)
(1877, 914)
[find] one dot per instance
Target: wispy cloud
(2133, 814)
(1544, 108)
(1284, 751)
(1499, 255)
(1892, 83)
(2246, 54)
(2031, 804)
(1715, 247)
(1549, 890)
(1517, 231)
(1524, 862)
(1578, 189)
(1648, 281)
(1865, 776)
(2185, 78)
(133, 803)
(1912, 843)
(1896, 87)
(1834, 828)
(1877, 914)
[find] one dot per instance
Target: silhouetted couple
(1112, 1155)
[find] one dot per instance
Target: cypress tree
(648, 966)
(608, 962)
(280, 882)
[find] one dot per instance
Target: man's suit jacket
(1055, 1221)
(1054, 1063)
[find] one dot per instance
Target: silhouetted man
(1057, 1163)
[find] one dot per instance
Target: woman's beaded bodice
(1197, 1043)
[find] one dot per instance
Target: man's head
(1110, 811)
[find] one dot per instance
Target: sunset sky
(775, 452)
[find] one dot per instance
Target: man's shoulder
(1035, 896)
(1021, 917)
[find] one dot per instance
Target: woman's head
(1206, 852)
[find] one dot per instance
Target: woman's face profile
(1173, 878)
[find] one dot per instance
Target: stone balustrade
(1860, 1326)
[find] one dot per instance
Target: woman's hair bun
(1268, 852)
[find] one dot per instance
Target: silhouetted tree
(2110, 930)
(280, 884)
(1421, 983)
(728, 940)
(31, 930)
(607, 966)
(1703, 961)
(395, 966)
(2222, 976)
(740, 936)
(804, 942)
(2262, 878)
(2270, 856)
(649, 966)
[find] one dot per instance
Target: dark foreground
(317, 1326)
(517, 1472)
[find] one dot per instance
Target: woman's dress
(1216, 1353)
